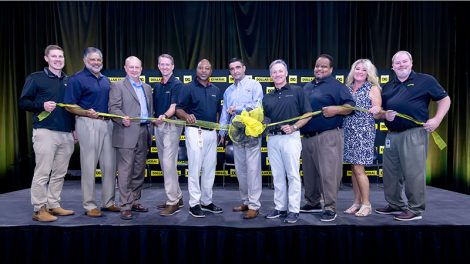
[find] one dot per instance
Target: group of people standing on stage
(323, 141)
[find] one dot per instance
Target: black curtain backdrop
(436, 33)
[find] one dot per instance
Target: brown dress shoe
(113, 208)
(170, 210)
(180, 204)
(43, 215)
(126, 215)
(95, 212)
(250, 214)
(60, 211)
(240, 208)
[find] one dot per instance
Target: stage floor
(443, 208)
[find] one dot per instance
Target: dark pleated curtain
(436, 33)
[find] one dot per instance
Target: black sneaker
(291, 218)
(307, 208)
(212, 208)
(196, 211)
(276, 213)
(328, 216)
(387, 210)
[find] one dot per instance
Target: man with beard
(200, 100)
(323, 139)
(52, 137)
(406, 143)
(89, 93)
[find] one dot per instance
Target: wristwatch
(295, 127)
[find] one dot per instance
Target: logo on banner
(269, 89)
(155, 79)
(340, 78)
(187, 78)
(306, 79)
(218, 79)
(292, 78)
(263, 79)
(384, 78)
(153, 161)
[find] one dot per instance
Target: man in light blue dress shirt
(244, 93)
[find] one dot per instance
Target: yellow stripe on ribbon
(44, 114)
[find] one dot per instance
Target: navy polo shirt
(88, 91)
(45, 86)
(285, 103)
(326, 92)
(411, 97)
(165, 94)
(203, 102)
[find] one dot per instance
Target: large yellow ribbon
(256, 127)
(441, 144)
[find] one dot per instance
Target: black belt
(311, 134)
(144, 124)
(103, 118)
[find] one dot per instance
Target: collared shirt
(88, 91)
(166, 94)
(327, 92)
(285, 103)
(139, 90)
(45, 86)
(202, 101)
(411, 97)
(246, 94)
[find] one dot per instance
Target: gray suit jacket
(124, 101)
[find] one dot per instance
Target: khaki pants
(52, 150)
(167, 138)
(95, 138)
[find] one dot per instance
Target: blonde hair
(371, 72)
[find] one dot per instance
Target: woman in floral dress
(359, 131)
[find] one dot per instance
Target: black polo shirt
(204, 102)
(285, 103)
(165, 94)
(411, 97)
(45, 86)
(326, 92)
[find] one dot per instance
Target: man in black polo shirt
(323, 139)
(167, 135)
(284, 146)
(200, 100)
(406, 144)
(52, 137)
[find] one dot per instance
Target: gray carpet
(443, 208)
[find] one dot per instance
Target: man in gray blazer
(131, 97)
